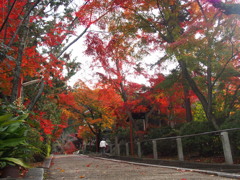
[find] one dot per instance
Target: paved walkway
(73, 167)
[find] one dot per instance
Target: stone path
(73, 167)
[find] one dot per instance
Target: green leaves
(14, 161)
(11, 142)
(10, 127)
(13, 145)
(5, 117)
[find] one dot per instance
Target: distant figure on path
(103, 145)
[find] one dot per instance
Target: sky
(88, 75)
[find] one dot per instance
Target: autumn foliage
(200, 37)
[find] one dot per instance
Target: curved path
(73, 167)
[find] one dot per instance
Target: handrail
(191, 135)
(224, 138)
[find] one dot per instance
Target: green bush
(33, 138)
(147, 148)
(90, 148)
(203, 145)
(122, 134)
(123, 149)
(164, 147)
(162, 132)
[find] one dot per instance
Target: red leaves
(45, 124)
(67, 99)
(69, 147)
(95, 45)
(55, 37)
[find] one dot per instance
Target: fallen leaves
(88, 165)
(60, 169)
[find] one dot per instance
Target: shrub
(19, 141)
(13, 146)
(204, 145)
(122, 134)
(164, 147)
(33, 138)
(162, 132)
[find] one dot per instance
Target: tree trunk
(198, 93)
(209, 92)
(147, 115)
(98, 139)
(35, 99)
(187, 102)
(97, 142)
(131, 122)
(129, 113)
(17, 71)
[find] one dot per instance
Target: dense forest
(39, 108)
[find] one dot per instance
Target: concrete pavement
(73, 167)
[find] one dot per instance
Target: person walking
(103, 144)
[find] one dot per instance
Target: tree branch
(75, 40)
(193, 85)
(223, 69)
(20, 25)
(33, 102)
(201, 8)
(6, 19)
(89, 125)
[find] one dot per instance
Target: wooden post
(127, 149)
(118, 150)
(226, 148)
(111, 149)
(131, 136)
(180, 149)
(155, 153)
(139, 149)
(116, 145)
